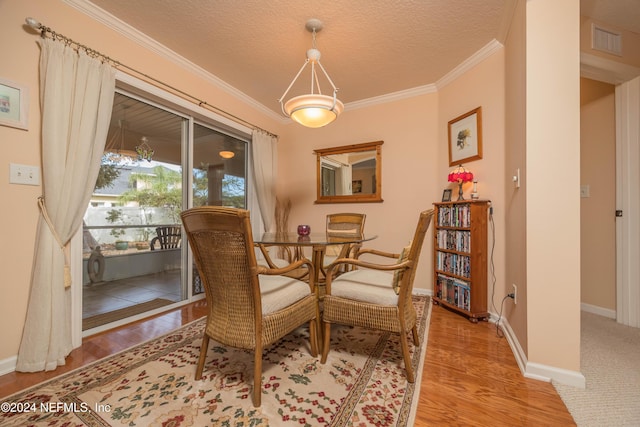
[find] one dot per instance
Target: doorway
(626, 308)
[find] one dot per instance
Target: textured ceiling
(624, 14)
(369, 47)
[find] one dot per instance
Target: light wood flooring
(470, 375)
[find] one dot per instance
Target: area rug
(123, 313)
(363, 383)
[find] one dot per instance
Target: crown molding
(147, 42)
(390, 97)
(475, 59)
(115, 24)
(605, 70)
(485, 52)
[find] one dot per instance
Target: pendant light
(312, 110)
(115, 146)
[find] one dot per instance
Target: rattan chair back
(223, 250)
(397, 314)
(344, 226)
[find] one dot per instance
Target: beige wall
(482, 86)
(410, 181)
(414, 161)
(630, 42)
(598, 169)
(414, 166)
(515, 158)
(19, 213)
(21, 57)
(553, 180)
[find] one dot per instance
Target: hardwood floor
(471, 378)
(470, 375)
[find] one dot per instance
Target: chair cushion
(279, 292)
(397, 275)
(370, 286)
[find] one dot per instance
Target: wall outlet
(515, 293)
(516, 178)
(24, 174)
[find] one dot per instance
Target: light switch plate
(24, 174)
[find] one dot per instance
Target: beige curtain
(265, 166)
(76, 95)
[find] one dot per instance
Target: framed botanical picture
(465, 137)
(14, 104)
(446, 195)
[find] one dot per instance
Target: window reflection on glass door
(219, 174)
(132, 249)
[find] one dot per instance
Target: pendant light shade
(312, 110)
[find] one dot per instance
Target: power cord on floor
(492, 265)
(499, 332)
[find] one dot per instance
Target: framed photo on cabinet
(446, 195)
(465, 137)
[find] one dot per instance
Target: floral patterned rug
(363, 383)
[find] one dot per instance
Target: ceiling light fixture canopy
(312, 110)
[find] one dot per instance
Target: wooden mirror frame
(374, 197)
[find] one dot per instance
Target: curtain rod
(36, 25)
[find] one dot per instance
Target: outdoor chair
(169, 237)
(249, 306)
(376, 296)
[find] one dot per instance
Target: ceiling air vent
(606, 40)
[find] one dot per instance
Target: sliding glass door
(134, 259)
(219, 174)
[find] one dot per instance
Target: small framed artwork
(465, 137)
(357, 186)
(14, 104)
(446, 195)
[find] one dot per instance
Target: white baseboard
(562, 376)
(8, 365)
(516, 348)
(601, 311)
(420, 291)
(535, 370)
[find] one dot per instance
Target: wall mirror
(350, 174)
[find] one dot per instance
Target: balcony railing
(126, 238)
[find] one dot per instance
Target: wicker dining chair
(278, 256)
(249, 306)
(377, 296)
(341, 225)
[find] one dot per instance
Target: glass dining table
(318, 242)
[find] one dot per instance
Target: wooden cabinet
(460, 257)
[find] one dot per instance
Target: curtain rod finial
(33, 23)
